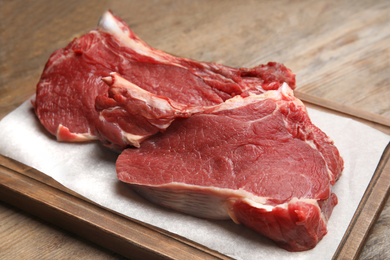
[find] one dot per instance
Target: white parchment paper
(89, 169)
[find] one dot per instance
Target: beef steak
(72, 80)
(257, 160)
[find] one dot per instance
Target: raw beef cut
(217, 142)
(127, 104)
(72, 80)
(257, 160)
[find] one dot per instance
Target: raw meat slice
(71, 80)
(257, 160)
(131, 114)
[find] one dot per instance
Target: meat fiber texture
(257, 160)
(211, 141)
(74, 104)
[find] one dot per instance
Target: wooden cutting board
(340, 51)
(40, 195)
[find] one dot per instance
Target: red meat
(72, 80)
(217, 142)
(257, 160)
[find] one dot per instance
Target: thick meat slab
(257, 160)
(72, 79)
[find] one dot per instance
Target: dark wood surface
(340, 51)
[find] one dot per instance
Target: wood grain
(48, 241)
(340, 51)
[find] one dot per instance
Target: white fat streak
(110, 24)
(144, 95)
(162, 126)
(77, 137)
(284, 205)
(131, 139)
(311, 144)
(239, 101)
(134, 139)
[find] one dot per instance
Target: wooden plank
(126, 236)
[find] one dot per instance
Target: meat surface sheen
(257, 160)
(72, 79)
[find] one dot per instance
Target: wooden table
(340, 51)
